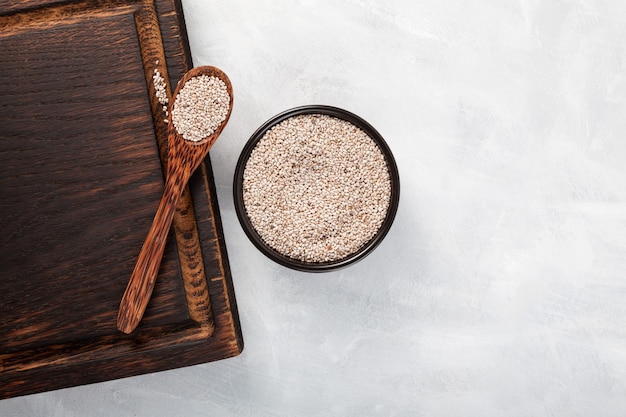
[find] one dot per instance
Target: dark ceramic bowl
(296, 263)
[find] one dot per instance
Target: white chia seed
(159, 87)
(200, 107)
(160, 90)
(316, 188)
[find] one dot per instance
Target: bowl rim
(254, 236)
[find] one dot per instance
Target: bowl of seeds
(316, 188)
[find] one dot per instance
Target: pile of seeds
(160, 89)
(200, 107)
(316, 188)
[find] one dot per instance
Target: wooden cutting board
(82, 145)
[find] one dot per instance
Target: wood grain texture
(184, 157)
(81, 151)
(184, 221)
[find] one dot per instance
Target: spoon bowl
(184, 156)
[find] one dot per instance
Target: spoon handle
(141, 284)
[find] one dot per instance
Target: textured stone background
(501, 288)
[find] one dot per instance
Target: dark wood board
(82, 146)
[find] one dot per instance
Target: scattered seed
(160, 88)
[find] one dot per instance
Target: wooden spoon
(184, 157)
